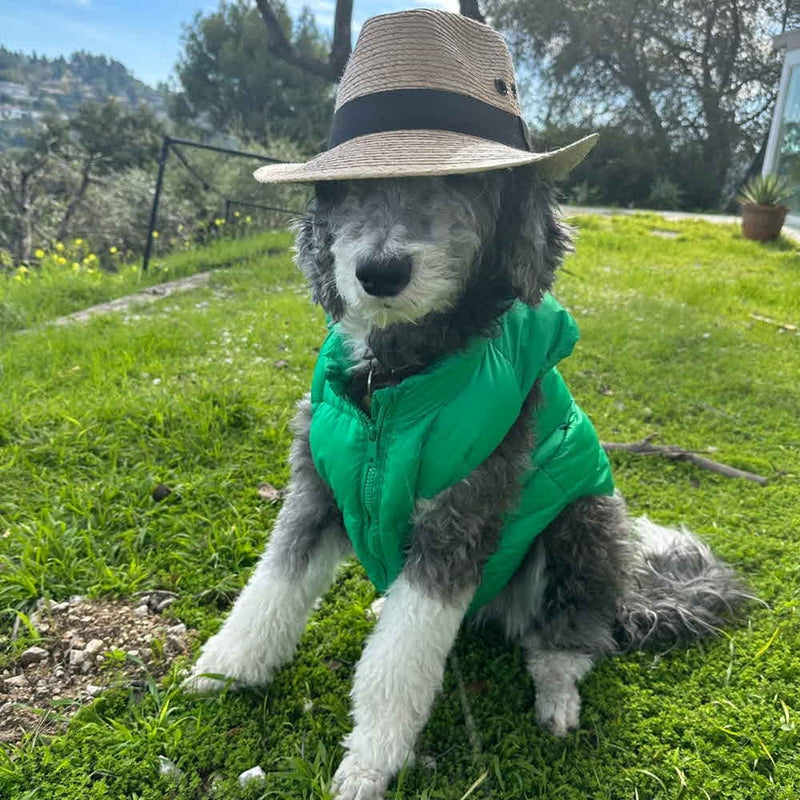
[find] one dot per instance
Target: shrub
(765, 190)
(664, 193)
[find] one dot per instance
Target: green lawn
(197, 392)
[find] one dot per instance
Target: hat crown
(430, 49)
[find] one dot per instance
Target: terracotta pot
(762, 222)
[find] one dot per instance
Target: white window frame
(791, 60)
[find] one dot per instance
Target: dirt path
(150, 295)
(723, 219)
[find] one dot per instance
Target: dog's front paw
(200, 682)
(355, 782)
(224, 664)
(559, 712)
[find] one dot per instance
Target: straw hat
(426, 92)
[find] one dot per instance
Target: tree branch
(645, 447)
(469, 8)
(342, 36)
(283, 48)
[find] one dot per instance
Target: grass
(197, 393)
(68, 279)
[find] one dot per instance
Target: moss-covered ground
(197, 393)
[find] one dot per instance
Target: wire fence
(176, 146)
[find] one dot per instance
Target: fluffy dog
(413, 269)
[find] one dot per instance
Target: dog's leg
(585, 556)
(267, 620)
(403, 662)
(396, 680)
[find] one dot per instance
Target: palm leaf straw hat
(426, 92)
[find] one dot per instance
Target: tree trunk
(63, 227)
(333, 68)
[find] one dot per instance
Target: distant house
(782, 156)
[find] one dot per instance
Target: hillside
(31, 86)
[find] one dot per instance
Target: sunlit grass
(197, 391)
(69, 277)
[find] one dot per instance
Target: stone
(253, 775)
(92, 690)
(33, 655)
(141, 611)
(177, 630)
(76, 599)
(16, 681)
(168, 769)
(94, 647)
(76, 657)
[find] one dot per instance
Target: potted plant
(763, 211)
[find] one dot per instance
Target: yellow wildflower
(78, 242)
(39, 253)
(59, 247)
(180, 228)
(112, 250)
(236, 214)
(22, 270)
(248, 218)
(75, 265)
(155, 234)
(61, 260)
(219, 222)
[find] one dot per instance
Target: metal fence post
(162, 162)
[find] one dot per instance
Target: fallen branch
(671, 451)
(784, 326)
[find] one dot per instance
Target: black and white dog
(593, 583)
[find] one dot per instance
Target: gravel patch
(86, 646)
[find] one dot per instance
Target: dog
(412, 270)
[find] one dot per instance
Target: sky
(142, 34)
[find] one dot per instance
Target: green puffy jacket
(434, 428)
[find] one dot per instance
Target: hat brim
(412, 153)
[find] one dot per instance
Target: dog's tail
(679, 590)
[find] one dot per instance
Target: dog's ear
(531, 237)
(313, 256)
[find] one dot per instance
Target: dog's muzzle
(384, 277)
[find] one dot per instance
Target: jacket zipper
(369, 493)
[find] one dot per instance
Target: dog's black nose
(384, 277)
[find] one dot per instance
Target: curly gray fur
(498, 236)
(478, 242)
(309, 514)
(457, 531)
(678, 590)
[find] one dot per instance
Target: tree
(44, 185)
(698, 75)
(229, 75)
(104, 138)
(329, 66)
(26, 202)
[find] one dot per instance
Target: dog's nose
(384, 277)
